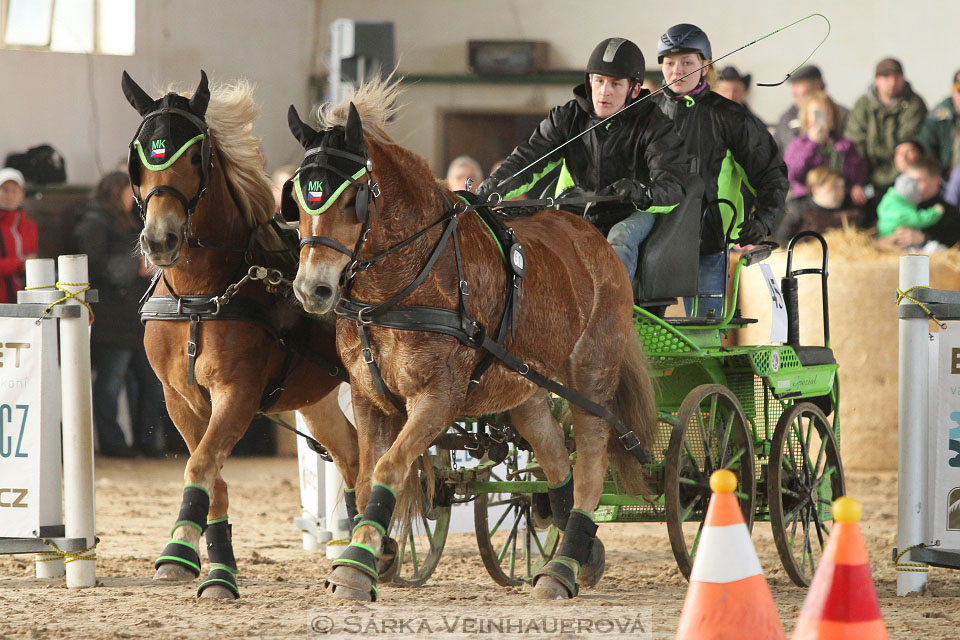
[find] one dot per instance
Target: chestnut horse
(207, 204)
(376, 233)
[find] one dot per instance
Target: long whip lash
(697, 70)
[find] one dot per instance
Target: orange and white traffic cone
(728, 596)
(841, 602)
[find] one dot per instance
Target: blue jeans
(117, 367)
(625, 238)
(713, 275)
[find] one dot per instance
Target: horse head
(329, 196)
(170, 160)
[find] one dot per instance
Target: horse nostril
(170, 240)
(322, 292)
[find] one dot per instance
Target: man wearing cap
(803, 82)
(940, 132)
(18, 234)
(636, 155)
(733, 86)
(889, 113)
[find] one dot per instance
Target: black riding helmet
(617, 58)
(684, 38)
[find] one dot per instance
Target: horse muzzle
(317, 295)
(161, 248)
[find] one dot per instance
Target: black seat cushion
(810, 356)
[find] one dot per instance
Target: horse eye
(195, 158)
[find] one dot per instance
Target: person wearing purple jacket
(819, 145)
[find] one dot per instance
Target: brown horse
(573, 324)
(206, 209)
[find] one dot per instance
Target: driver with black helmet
(731, 147)
(637, 155)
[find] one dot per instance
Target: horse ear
(300, 130)
(137, 97)
(201, 97)
(354, 128)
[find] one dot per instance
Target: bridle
(135, 166)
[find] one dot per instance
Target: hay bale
(863, 332)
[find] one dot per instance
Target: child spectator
(913, 200)
(822, 208)
(18, 234)
(818, 145)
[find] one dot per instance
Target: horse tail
(634, 403)
(416, 492)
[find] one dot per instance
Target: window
(74, 26)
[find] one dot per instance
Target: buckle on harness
(375, 189)
(360, 320)
(367, 355)
(463, 288)
(629, 440)
(191, 349)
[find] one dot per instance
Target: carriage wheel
(803, 479)
(711, 434)
(421, 535)
(515, 533)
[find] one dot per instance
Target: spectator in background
(914, 199)
(803, 81)
(889, 113)
(952, 192)
(824, 207)
(18, 234)
(940, 132)
(107, 231)
(732, 86)
(819, 145)
(461, 169)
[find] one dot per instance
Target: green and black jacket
(731, 147)
(640, 143)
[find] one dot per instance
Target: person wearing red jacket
(18, 234)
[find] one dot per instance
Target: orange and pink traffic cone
(842, 602)
(728, 597)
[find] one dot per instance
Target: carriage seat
(810, 356)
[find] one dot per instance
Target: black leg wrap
(574, 552)
(223, 565)
(578, 537)
(181, 553)
(379, 508)
(360, 557)
(194, 508)
(350, 500)
(561, 501)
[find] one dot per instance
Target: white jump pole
(913, 423)
(40, 282)
(79, 503)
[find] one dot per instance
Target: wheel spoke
(727, 430)
(503, 549)
(686, 512)
(503, 516)
(696, 539)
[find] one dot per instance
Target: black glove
(630, 190)
(752, 231)
(488, 186)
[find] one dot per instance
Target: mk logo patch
(315, 191)
(158, 149)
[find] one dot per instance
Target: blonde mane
(377, 101)
(230, 116)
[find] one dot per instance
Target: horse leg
(354, 576)
(170, 566)
(535, 422)
(331, 428)
(580, 558)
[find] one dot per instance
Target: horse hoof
(549, 588)
(388, 561)
(217, 592)
(347, 583)
(592, 571)
(171, 572)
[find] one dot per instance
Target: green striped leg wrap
(379, 508)
(561, 501)
(359, 556)
(223, 566)
(193, 513)
(573, 553)
(350, 500)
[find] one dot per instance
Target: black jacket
(730, 146)
(114, 273)
(639, 143)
